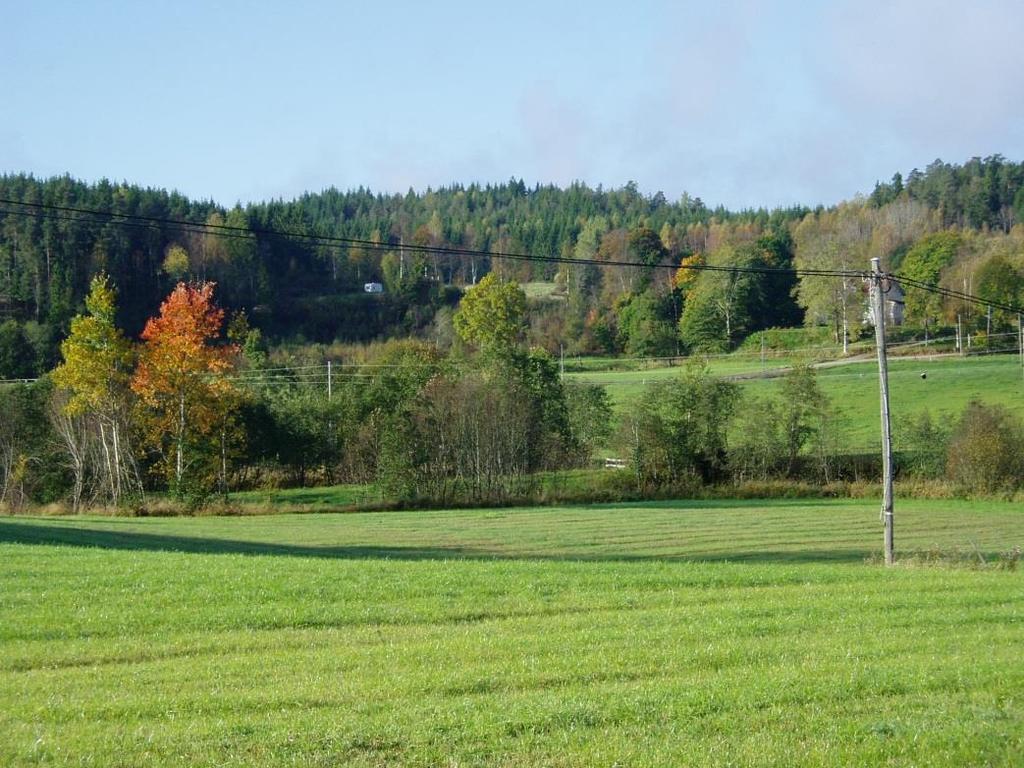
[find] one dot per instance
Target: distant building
(374, 288)
(894, 304)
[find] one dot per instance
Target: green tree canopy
(723, 306)
(998, 280)
(492, 315)
(924, 262)
(646, 325)
(678, 429)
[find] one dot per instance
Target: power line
(43, 210)
(955, 294)
(228, 230)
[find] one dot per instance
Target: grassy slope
(950, 384)
(658, 634)
(624, 386)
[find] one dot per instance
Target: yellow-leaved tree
(93, 412)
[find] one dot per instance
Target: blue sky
(740, 103)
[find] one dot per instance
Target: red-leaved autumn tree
(180, 380)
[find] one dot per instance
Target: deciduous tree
(180, 381)
(491, 315)
(678, 429)
(998, 280)
(839, 241)
(722, 305)
(924, 262)
(95, 373)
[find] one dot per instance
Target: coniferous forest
(173, 356)
(296, 289)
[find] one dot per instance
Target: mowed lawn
(711, 633)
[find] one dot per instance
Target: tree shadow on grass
(30, 532)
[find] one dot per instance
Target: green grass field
(625, 386)
(684, 633)
(541, 290)
(950, 384)
(323, 498)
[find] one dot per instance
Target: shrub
(923, 444)
(787, 436)
(677, 430)
(986, 449)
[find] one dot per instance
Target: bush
(677, 430)
(923, 444)
(986, 450)
(589, 412)
(789, 436)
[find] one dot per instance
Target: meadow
(674, 633)
(949, 383)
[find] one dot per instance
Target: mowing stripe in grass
(511, 639)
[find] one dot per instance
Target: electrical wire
(245, 233)
(228, 230)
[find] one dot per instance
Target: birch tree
(722, 306)
(95, 374)
(834, 240)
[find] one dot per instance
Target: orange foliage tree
(180, 381)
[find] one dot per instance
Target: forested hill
(295, 288)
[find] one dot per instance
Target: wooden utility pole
(878, 310)
(1020, 342)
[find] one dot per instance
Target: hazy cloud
(553, 130)
(741, 103)
(918, 80)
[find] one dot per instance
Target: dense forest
(173, 347)
(297, 289)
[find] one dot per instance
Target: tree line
(296, 289)
(196, 408)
